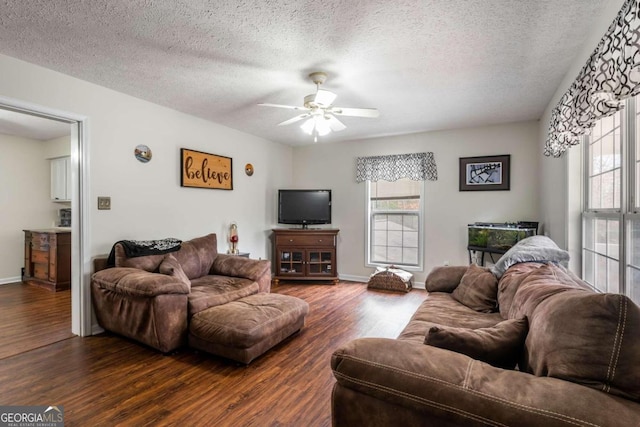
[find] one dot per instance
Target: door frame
(81, 315)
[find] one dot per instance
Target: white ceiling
(426, 65)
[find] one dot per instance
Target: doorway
(80, 258)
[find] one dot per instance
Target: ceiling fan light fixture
(308, 126)
(322, 125)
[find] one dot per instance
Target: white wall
(58, 147)
(147, 200)
(562, 219)
(448, 210)
(25, 200)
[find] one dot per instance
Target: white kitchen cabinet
(61, 179)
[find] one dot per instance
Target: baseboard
(351, 278)
(8, 280)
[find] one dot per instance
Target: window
(394, 231)
(611, 218)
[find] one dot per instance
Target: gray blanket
(531, 249)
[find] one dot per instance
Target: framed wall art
(485, 173)
(204, 170)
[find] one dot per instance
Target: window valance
(611, 75)
(416, 166)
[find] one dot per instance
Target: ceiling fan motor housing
(318, 77)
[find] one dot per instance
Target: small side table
(242, 254)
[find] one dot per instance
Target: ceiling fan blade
(289, 107)
(335, 124)
(294, 119)
(356, 112)
(324, 97)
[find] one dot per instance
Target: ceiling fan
(319, 112)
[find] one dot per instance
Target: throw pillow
(171, 267)
(478, 289)
(499, 345)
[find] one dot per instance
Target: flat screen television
(304, 207)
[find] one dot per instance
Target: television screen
(304, 207)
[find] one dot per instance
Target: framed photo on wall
(485, 173)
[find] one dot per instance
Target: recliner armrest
(136, 282)
(237, 266)
(448, 386)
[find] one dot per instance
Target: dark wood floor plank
(109, 380)
(32, 317)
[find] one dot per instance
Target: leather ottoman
(244, 329)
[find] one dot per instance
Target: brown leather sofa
(577, 354)
(152, 298)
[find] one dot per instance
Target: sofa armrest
(445, 278)
(139, 283)
(237, 266)
(454, 389)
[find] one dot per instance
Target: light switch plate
(104, 203)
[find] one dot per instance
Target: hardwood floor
(108, 380)
(32, 317)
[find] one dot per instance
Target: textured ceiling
(425, 65)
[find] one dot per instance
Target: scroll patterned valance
(416, 166)
(611, 75)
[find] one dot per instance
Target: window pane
(634, 243)
(394, 255)
(594, 199)
(613, 276)
(410, 255)
(634, 284)
(601, 251)
(380, 237)
(606, 159)
(379, 222)
(606, 190)
(596, 158)
(410, 239)
(589, 267)
(601, 273)
(637, 159)
(613, 239)
(589, 236)
(633, 263)
(395, 222)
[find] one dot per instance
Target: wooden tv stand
(305, 254)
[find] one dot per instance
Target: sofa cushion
(499, 345)
(196, 256)
(478, 289)
(587, 338)
(444, 278)
(540, 284)
(171, 267)
(441, 309)
(212, 290)
(531, 249)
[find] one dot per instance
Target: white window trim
(368, 231)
